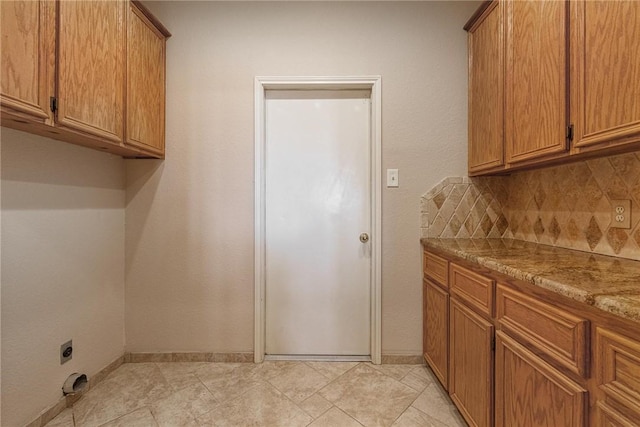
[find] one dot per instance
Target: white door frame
(308, 83)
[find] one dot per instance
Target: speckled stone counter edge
(617, 304)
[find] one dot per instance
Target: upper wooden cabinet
(605, 84)
(486, 86)
(28, 49)
(536, 79)
(90, 76)
(90, 90)
(145, 80)
(570, 82)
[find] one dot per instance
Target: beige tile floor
(316, 394)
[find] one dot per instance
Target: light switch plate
(392, 178)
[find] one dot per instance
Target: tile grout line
(292, 401)
(419, 393)
(266, 381)
(333, 405)
(206, 388)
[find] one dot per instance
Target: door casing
(374, 84)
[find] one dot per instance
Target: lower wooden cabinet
(436, 330)
(618, 370)
(471, 364)
(535, 362)
(531, 393)
(609, 417)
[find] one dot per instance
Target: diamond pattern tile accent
(514, 224)
(573, 232)
(626, 167)
(539, 196)
(538, 228)
(556, 200)
(617, 238)
(486, 224)
(566, 206)
(439, 200)
(593, 233)
(636, 237)
(455, 224)
(502, 224)
(554, 229)
(634, 192)
(602, 171)
(526, 229)
(580, 172)
(617, 189)
(571, 194)
(470, 225)
(592, 192)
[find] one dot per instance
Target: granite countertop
(608, 283)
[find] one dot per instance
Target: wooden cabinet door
(531, 393)
(471, 365)
(486, 91)
(536, 79)
(145, 107)
(606, 416)
(28, 49)
(617, 364)
(605, 78)
(91, 68)
(436, 330)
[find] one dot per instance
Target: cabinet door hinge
(53, 104)
(569, 136)
(570, 133)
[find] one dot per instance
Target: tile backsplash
(567, 206)
(466, 208)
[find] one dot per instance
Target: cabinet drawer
(436, 268)
(618, 367)
(557, 335)
(472, 288)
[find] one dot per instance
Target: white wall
(0, 279)
(189, 219)
(62, 267)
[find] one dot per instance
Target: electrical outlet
(620, 214)
(66, 352)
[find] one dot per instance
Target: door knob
(364, 237)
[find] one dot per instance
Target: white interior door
(317, 204)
